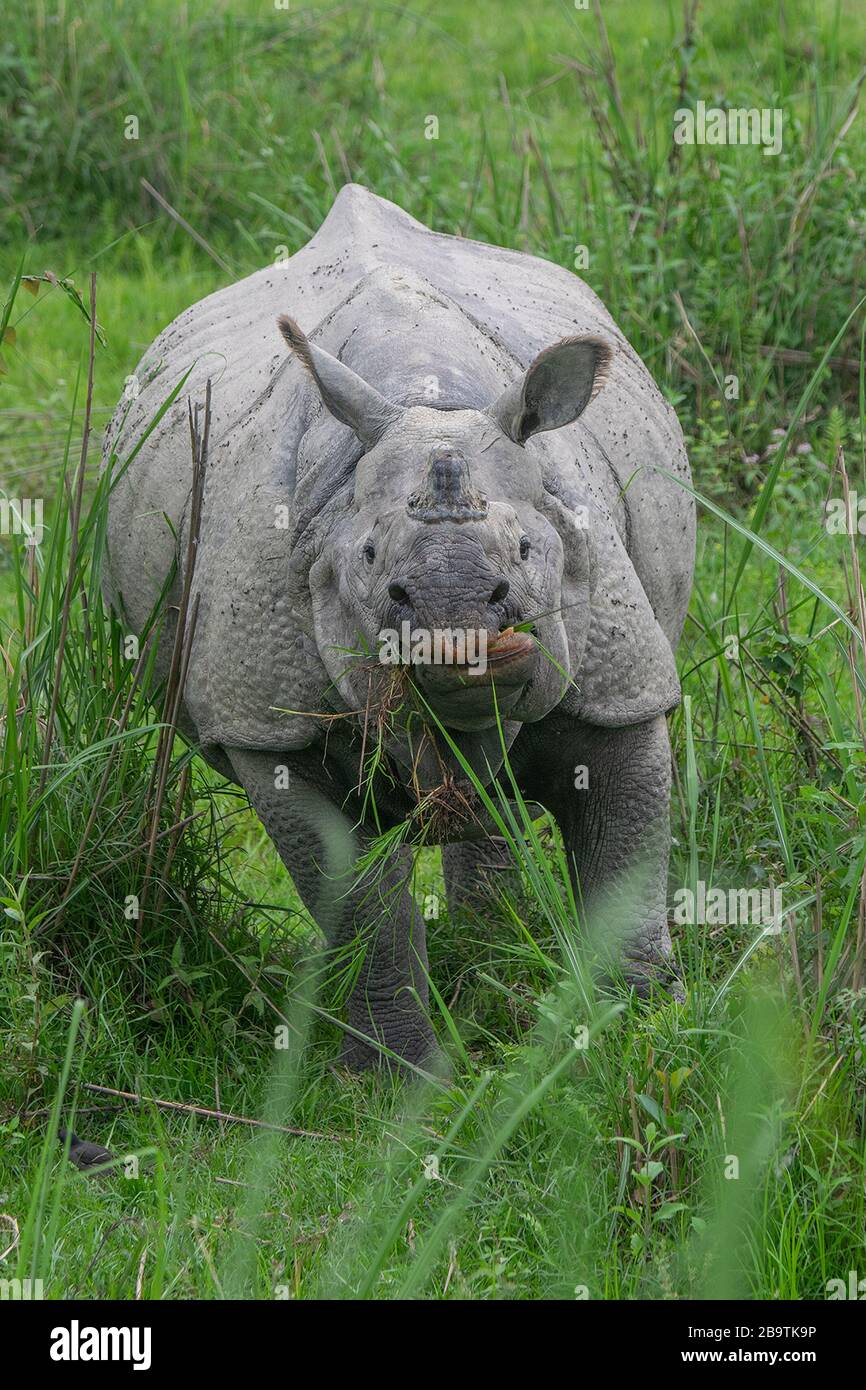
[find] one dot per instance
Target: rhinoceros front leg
(320, 848)
(613, 808)
(475, 871)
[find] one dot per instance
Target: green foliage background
(600, 1170)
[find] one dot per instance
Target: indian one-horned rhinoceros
(460, 440)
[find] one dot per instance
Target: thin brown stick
(74, 521)
(164, 757)
(211, 1114)
(182, 646)
(175, 839)
(686, 47)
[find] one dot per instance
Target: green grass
(560, 1168)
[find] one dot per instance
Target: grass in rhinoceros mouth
(395, 707)
(580, 1147)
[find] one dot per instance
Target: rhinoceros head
(452, 533)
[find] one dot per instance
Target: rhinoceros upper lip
(507, 659)
(508, 644)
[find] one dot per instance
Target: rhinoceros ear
(556, 388)
(346, 395)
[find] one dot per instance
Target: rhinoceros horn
(448, 495)
(346, 395)
(555, 389)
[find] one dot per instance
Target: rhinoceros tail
(296, 339)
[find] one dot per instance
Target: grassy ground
(543, 1169)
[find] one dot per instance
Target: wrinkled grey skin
(464, 438)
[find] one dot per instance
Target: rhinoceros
(413, 431)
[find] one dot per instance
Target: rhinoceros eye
(524, 547)
(369, 552)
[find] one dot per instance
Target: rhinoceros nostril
(398, 593)
(500, 592)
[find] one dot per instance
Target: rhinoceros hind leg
(473, 871)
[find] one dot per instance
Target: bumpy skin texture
(464, 438)
(616, 831)
(319, 846)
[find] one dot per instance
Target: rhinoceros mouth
(509, 656)
(508, 661)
